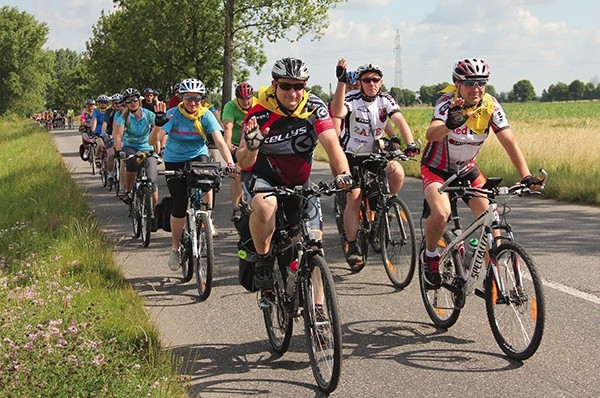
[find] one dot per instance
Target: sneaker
(127, 198)
(353, 254)
(432, 271)
(154, 224)
(174, 260)
(212, 227)
(263, 273)
(236, 215)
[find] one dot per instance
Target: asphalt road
(390, 347)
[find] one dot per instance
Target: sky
(543, 41)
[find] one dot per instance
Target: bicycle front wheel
(322, 325)
(146, 215)
(117, 177)
(103, 171)
(339, 204)
(398, 242)
(440, 303)
(187, 261)
(92, 158)
(134, 212)
(206, 256)
(277, 317)
(515, 302)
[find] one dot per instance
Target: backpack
(163, 213)
(246, 253)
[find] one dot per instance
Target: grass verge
(70, 324)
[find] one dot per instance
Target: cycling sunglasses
(130, 100)
(371, 80)
(189, 98)
(474, 83)
(288, 86)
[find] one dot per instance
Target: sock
(431, 253)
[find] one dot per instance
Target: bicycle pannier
(203, 175)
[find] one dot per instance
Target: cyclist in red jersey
(279, 135)
(462, 120)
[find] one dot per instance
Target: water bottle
(469, 250)
(291, 277)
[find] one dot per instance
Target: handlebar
(318, 189)
(516, 189)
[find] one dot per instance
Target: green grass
(70, 324)
(560, 137)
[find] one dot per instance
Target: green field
(562, 138)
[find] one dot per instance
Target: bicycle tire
(324, 338)
(277, 316)
(185, 248)
(206, 256)
(103, 170)
(117, 177)
(398, 242)
(92, 158)
(146, 215)
(339, 204)
(135, 214)
(439, 303)
(362, 241)
(517, 323)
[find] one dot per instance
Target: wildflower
(137, 366)
(98, 359)
(61, 342)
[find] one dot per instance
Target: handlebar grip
(263, 189)
(447, 182)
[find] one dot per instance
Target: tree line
(155, 43)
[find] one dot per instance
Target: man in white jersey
(365, 112)
(462, 119)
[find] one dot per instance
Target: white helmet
(192, 86)
(470, 68)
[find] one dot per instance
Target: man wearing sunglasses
(365, 113)
(462, 119)
(279, 136)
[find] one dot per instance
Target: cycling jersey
(458, 150)
(286, 154)
(365, 121)
(136, 135)
(99, 115)
(86, 118)
(184, 141)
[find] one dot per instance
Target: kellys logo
(300, 140)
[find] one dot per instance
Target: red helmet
(244, 90)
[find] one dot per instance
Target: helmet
(90, 102)
(148, 91)
(352, 77)
(192, 86)
(470, 68)
(244, 90)
(103, 98)
(117, 97)
(368, 68)
(291, 68)
(130, 92)
(176, 87)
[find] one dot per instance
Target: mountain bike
(196, 243)
(512, 287)
(140, 208)
(385, 220)
(310, 292)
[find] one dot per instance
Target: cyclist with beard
(365, 113)
(234, 113)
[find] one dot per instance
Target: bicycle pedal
(480, 293)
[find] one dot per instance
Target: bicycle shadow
(385, 339)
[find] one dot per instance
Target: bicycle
(512, 287)
(196, 243)
(108, 144)
(322, 328)
(385, 220)
(117, 175)
(140, 208)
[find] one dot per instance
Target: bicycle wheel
(146, 215)
(187, 261)
(134, 213)
(398, 242)
(117, 176)
(362, 241)
(440, 303)
(517, 315)
(322, 325)
(103, 170)
(206, 256)
(92, 158)
(276, 314)
(339, 204)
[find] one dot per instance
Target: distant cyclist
(234, 113)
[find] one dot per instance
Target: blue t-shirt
(184, 142)
(99, 115)
(136, 135)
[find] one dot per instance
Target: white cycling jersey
(458, 150)
(365, 121)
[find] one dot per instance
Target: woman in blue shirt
(188, 126)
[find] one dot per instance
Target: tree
(404, 97)
(576, 90)
(430, 94)
(24, 67)
(68, 87)
(522, 91)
